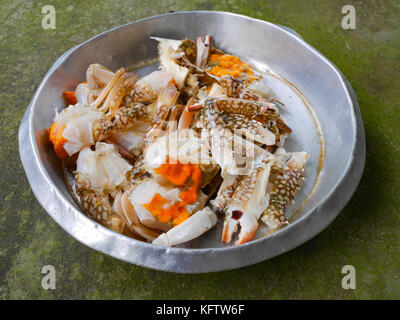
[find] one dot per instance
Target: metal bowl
(321, 107)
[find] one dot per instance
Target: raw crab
(164, 157)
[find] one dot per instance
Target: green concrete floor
(365, 234)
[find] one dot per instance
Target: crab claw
(191, 228)
(248, 202)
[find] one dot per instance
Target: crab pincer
(248, 202)
(191, 228)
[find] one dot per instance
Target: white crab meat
(168, 49)
(83, 94)
(217, 91)
(282, 154)
(98, 76)
(104, 168)
(263, 136)
(78, 120)
(131, 139)
(143, 194)
(193, 227)
(221, 151)
(123, 208)
(183, 146)
(203, 51)
(297, 160)
(260, 87)
(148, 87)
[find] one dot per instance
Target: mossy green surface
(366, 234)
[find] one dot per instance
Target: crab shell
(143, 192)
(104, 168)
(183, 146)
(78, 120)
(248, 108)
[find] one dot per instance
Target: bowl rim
(358, 144)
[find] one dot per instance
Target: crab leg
(98, 207)
(101, 83)
(138, 171)
(247, 108)
(97, 74)
(203, 51)
(118, 91)
(176, 110)
(108, 87)
(220, 145)
(251, 128)
(191, 228)
(148, 88)
(259, 111)
(122, 119)
(283, 188)
(96, 204)
(225, 192)
(235, 88)
(187, 115)
(165, 101)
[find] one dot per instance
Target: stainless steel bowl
(321, 108)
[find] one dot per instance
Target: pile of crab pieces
(163, 158)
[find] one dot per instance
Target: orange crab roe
(55, 136)
(226, 64)
(70, 97)
(178, 174)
